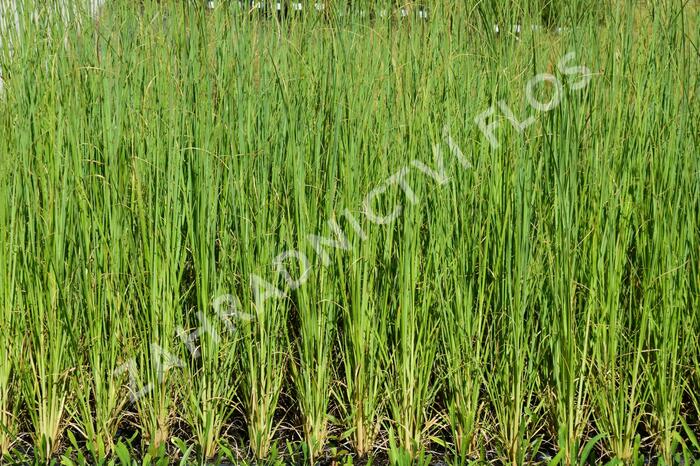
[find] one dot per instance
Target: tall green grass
(241, 236)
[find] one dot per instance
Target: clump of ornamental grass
(324, 232)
